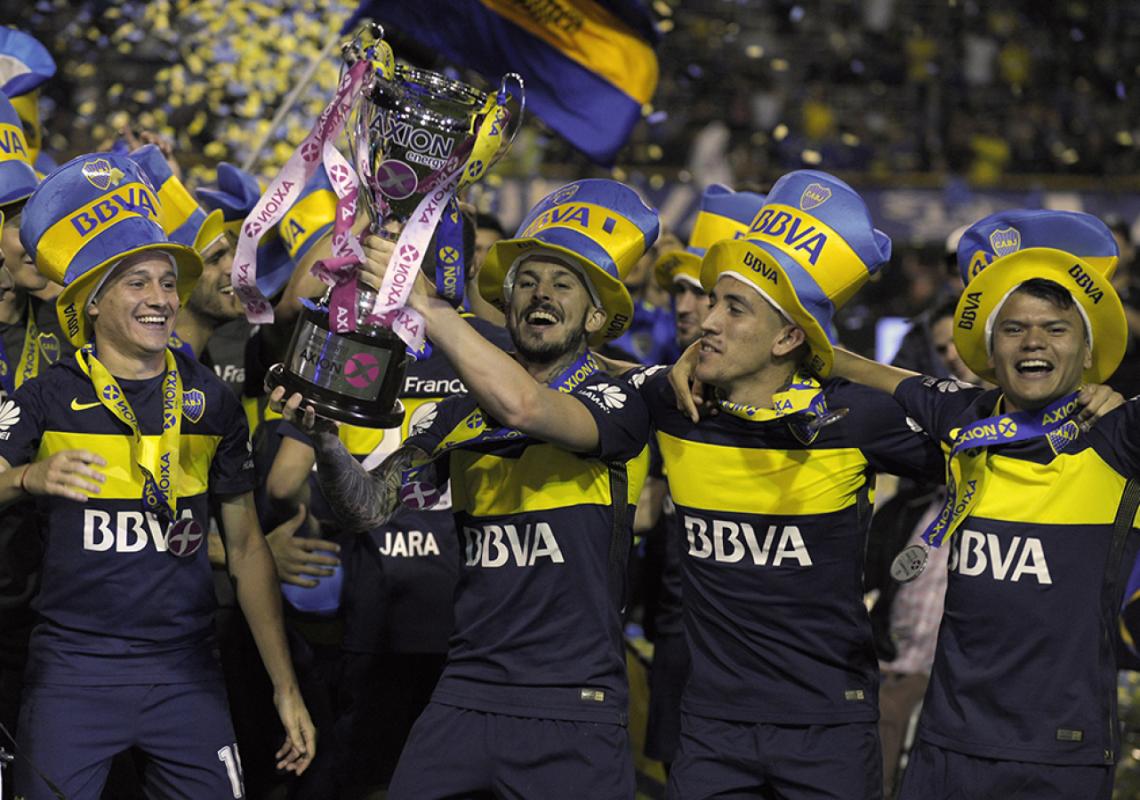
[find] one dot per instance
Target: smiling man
(1022, 695)
(545, 457)
(121, 449)
(773, 494)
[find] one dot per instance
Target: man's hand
(297, 557)
(307, 419)
(300, 735)
(1097, 400)
(378, 253)
(688, 390)
(68, 473)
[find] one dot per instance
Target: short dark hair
(1051, 291)
(485, 220)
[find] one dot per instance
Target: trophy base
(354, 378)
(333, 406)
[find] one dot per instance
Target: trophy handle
(501, 98)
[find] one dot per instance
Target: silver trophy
(409, 131)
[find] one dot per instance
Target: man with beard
(545, 462)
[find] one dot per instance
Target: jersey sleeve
(1118, 438)
(22, 423)
(891, 440)
(428, 432)
(936, 404)
(620, 415)
(232, 471)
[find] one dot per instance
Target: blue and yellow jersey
(400, 577)
(774, 533)
(542, 534)
(116, 606)
(1025, 668)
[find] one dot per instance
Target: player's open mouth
(226, 290)
(1033, 366)
(541, 318)
(708, 347)
(152, 320)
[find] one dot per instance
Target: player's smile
(1039, 350)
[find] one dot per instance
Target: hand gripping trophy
(415, 138)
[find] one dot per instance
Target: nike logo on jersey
(498, 545)
(77, 406)
(974, 553)
(729, 542)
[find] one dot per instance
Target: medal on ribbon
(966, 470)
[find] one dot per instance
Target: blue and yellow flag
(589, 65)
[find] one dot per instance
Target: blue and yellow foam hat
(236, 194)
(24, 66)
(1078, 251)
(724, 214)
(807, 251)
(87, 216)
(17, 178)
(179, 213)
(310, 218)
(598, 224)
(1006, 232)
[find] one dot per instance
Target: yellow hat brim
(213, 228)
(1094, 293)
(728, 257)
(616, 301)
(675, 262)
(72, 300)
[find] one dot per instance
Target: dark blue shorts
(738, 760)
(71, 733)
(667, 679)
(933, 773)
(456, 752)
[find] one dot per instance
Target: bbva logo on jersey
(974, 553)
(124, 531)
(729, 542)
(499, 545)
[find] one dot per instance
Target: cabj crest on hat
(807, 251)
(1075, 250)
(17, 178)
(1006, 232)
(724, 214)
(599, 224)
(179, 213)
(76, 231)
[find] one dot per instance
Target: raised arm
(503, 388)
(858, 369)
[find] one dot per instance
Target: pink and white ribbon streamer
(286, 188)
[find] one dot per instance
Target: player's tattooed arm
(361, 500)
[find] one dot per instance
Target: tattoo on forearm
(360, 500)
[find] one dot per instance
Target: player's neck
(194, 329)
(546, 372)
(129, 366)
(756, 389)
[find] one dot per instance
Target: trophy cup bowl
(405, 135)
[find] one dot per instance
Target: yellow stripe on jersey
(544, 478)
(124, 479)
(1073, 489)
(744, 480)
